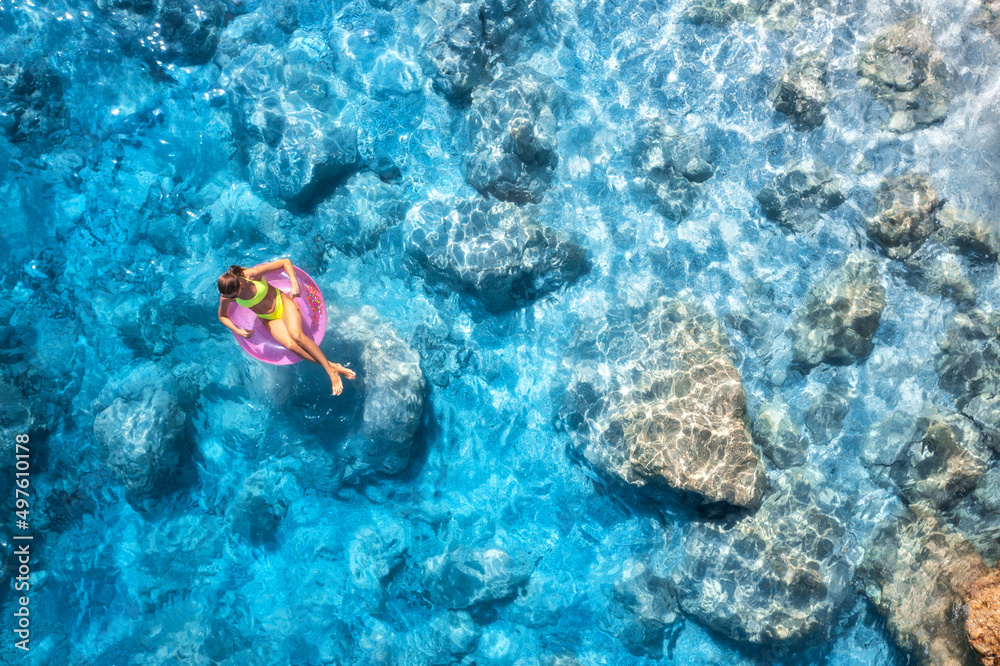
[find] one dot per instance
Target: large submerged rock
(989, 16)
(840, 314)
(354, 219)
(31, 102)
(140, 429)
(801, 92)
(799, 195)
(376, 418)
(185, 32)
(497, 253)
(510, 25)
(966, 232)
(468, 37)
(291, 122)
(975, 513)
(394, 390)
(774, 14)
(907, 214)
(375, 552)
(917, 571)
(674, 166)
(941, 274)
(16, 418)
(642, 610)
(968, 366)
(458, 53)
(934, 457)
(824, 417)
(664, 406)
(776, 577)
(779, 437)
(982, 624)
(512, 136)
(259, 506)
(465, 577)
(903, 67)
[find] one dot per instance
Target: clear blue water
(119, 220)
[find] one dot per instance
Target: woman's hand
(244, 333)
(295, 289)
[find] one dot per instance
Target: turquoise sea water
(149, 145)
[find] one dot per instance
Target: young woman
(277, 310)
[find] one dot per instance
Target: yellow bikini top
(261, 286)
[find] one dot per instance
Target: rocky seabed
(675, 325)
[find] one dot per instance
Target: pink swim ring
(262, 345)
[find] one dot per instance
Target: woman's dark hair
(229, 282)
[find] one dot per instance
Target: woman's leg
(280, 333)
(292, 319)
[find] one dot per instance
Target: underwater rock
(458, 53)
(291, 122)
(444, 640)
(825, 416)
(393, 387)
(512, 136)
(174, 556)
(718, 12)
(982, 624)
(465, 577)
(355, 218)
(840, 314)
(801, 92)
(968, 366)
(907, 209)
(16, 419)
(31, 103)
(140, 429)
(976, 515)
(375, 552)
(989, 16)
(497, 253)
(777, 576)
(544, 600)
(917, 571)
(511, 25)
(779, 438)
(559, 660)
(240, 213)
(781, 15)
(903, 67)
(684, 420)
(185, 32)
(933, 458)
(313, 156)
(942, 275)
(260, 505)
(260, 27)
(666, 408)
(799, 195)
(967, 233)
(674, 165)
(644, 599)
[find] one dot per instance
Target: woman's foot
(338, 368)
(338, 384)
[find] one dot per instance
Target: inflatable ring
(262, 345)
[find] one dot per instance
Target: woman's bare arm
(286, 264)
(227, 322)
(258, 270)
